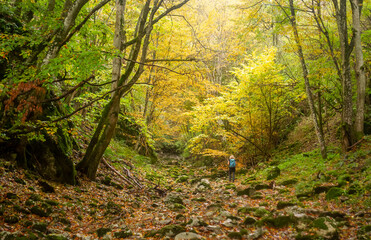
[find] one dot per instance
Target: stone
(11, 219)
(334, 193)
(123, 233)
(229, 223)
(103, 231)
(248, 191)
(326, 228)
(173, 198)
(273, 173)
(235, 235)
(56, 237)
(289, 182)
(256, 234)
(262, 186)
(10, 195)
(171, 230)
(41, 211)
(321, 189)
(182, 179)
(261, 212)
(197, 222)
(41, 227)
(282, 205)
(249, 221)
(187, 236)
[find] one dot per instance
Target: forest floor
(199, 201)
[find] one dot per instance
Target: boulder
(248, 191)
(273, 173)
(334, 193)
(188, 236)
(326, 228)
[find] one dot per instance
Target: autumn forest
(118, 119)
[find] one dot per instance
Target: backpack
(232, 162)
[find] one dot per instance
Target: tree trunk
(118, 40)
(359, 69)
(107, 124)
(319, 134)
(346, 49)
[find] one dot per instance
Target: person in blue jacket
(232, 167)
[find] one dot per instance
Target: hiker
(232, 167)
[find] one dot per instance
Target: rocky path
(201, 204)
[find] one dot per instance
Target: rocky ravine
(200, 205)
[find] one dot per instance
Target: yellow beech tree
(249, 116)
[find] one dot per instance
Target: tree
(107, 123)
(319, 133)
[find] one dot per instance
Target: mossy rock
(249, 221)
(20, 209)
(35, 197)
(262, 186)
(177, 207)
(282, 205)
(182, 179)
(233, 205)
(322, 189)
(257, 195)
(51, 202)
(277, 222)
(106, 181)
(235, 235)
(64, 221)
(334, 193)
(289, 182)
(248, 191)
(246, 210)
(41, 227)
(364, 232)
(283, 221)
(354, 189)
(320, 223)
(113, 208)
(123, 233)
(13, 219)
(103, 231)
(261, 212)
(41, 211)
(170, 230)
(344, 179)
(214, 207)
(172, 198)
(274, 173)
(10, 195)
(201, 199)
(117, 185)
(56, 237)
(230, 186)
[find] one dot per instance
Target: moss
(103, 231)
(273, 173)
(11, 219)
(320, 223)
(41, 227)
(334, 193)
(282, 205)
(41, 211)
(235, 235)
(55, 237)
(123, 234)
(289, 182)
(261, 212)
(249, 221)
(248, 191)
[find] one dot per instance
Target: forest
(118, 119)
